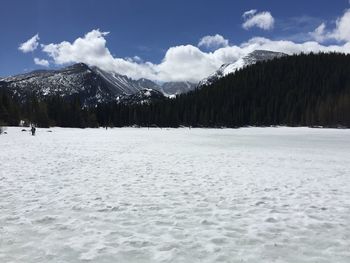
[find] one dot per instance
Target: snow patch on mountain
(143, 96)
(92, 84)
(176, 88)
(250, 59)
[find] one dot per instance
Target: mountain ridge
(248, 60)
(92, 84)
(300, 90)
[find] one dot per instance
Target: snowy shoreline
(185, 127)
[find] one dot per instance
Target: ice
(175, 195)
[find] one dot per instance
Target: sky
(164, 40)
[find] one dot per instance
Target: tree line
(300, 90)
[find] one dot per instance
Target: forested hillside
(297, 90)
(303, 90)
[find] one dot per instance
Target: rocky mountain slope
(175, 88)
(92, 84)
(250, 59)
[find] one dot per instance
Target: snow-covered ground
(175, 195)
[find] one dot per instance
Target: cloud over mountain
(30, 45)
(184, 62)
(41, 62)
(213, 42)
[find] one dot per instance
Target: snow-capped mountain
(250, 59)
(142, 96)
(176, 88)
(92, 84)
(148, 84)
(121, 83)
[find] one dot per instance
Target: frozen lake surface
(175, 195)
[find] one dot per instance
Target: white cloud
(319, 33)
(291, 47)
(137, 59)
(30, 45)
(184, 62)
(213, 42)
(41, 62)
(250, 13)
(262, 20)
(89, 48)
(341, 32)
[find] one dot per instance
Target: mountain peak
(91, 84)
(250, 59)
(263, 52)
(262, 55)
(77, 66)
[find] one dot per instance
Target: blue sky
(148, 29)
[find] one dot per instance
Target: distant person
(33, 130)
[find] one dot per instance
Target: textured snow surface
(178, 195)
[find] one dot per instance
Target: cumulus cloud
(290, 47)
(320, 33)
(185, 62)
(262, 20)
(180, 63)
(341, 32)
(30, 45)
(137, 59)
(41, 62)
(88, 48)
(250, 13)
(213, 42)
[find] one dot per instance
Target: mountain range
(94, 85)
(91, 84)
(299, 90)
